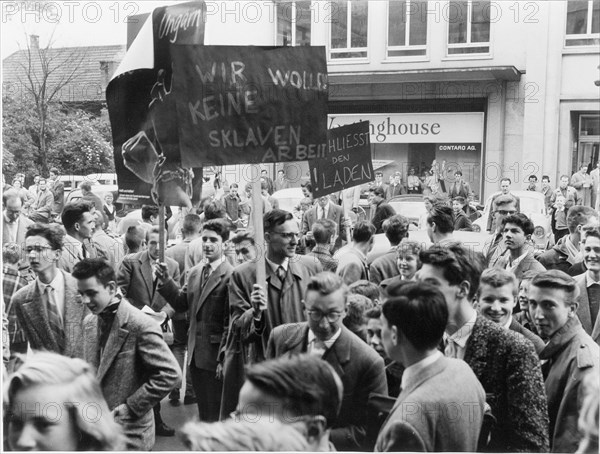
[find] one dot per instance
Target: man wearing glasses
(48, 309)
(323, 335)
(494, 248)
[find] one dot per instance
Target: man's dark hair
(420, 313)
(53, 233)
(505, 179)
(219, 226)
(214, 210)
(134, 237)
(323, 230)
(459, 199)
(559, 280)
(307, 186)
(363, 231)
(54, 170)
(73, 213)
(191, 224)
(458, 264)
(592, 233)
(532, 177)
(546, 177)
(326, 283)
(458, 172)
(356, 306)
(379, 172)
(520, 220)
(579, 215)
(374, 312)
(85, 186)
(307, 385)
(443, 216)
(395, 229)
(242, 236)
(503, 199)
(378, 191)
(98, 268)
(273, 218)
(498, 277)
(234, 185)
(365, 288)
(148, 211)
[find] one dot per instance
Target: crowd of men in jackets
(435, 348)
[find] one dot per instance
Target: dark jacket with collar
(508, 368)
(592, 327)
(557, 257)
(537, 341)
(359, 366)
(571, 355)
(384, 267)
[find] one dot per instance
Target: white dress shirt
(456, 343)
(313, 349)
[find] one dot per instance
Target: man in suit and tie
(589, 286)
(352, 258)
(505, 192)
(206, 298)
(58, 191)
(502, 206)
(15, 224)
(504, 362)
(255, 310)
(381, 209)
(48, 309)
(134, 365)
(324, 335)
(79, 222)
(396, 187)
(325, 209)
(441, 402)
(281, 182)
(42, 206)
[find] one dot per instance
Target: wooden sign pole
(257, 224)
(161, 233)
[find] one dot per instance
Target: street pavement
(175, 417)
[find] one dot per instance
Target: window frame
(581, 36)
(332, 51)
(406, 47)
(468, 44)
(293, 4)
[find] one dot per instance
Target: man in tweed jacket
(504, 362)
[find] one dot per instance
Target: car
(474, 241)
(411, 206)
(135, 218)
(533, 205)
(288, 198)
(98, 189)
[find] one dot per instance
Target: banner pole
(161, 232)
(257, 222)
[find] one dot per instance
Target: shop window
(583, 23)
(349, 27)
(588, 143)
(468, 27)
(407, 28)
(293, 23)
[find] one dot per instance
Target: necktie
(451, 350)
(321, 213)
(83, 251)
(318, 347)
(594, 298)
(54, 318)
(281, 273)
(205, 274)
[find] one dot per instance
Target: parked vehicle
(410, 206)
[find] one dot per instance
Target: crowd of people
(428, 347)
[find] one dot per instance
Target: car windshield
(412, 210)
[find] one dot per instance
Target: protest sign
(347, 162)
(246, 104)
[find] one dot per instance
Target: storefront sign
(246, 104)
(417, 128)
(347, 162)
(458, 147)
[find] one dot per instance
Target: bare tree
(44, 73)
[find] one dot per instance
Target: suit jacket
(12, 281)
(208, 309)
(509, 369)
(360, 368)
(136, 366)
(24, 223)
(383, 211)
(58, 193)
(43, 204)
(279, 184)
(352, 266)
(592, 327)
(33, 318)
(70, 257)
(393, 191)
(283, 302)
(335, 213)
(529, 263)
(384, 267)
(571, 355)
(420, 421)
(135, 279)
(537, 341)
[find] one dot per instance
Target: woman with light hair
(244, 434)
(54, 403)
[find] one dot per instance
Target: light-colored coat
(24, 223)
(33, 318)
(334, 213)
(136, 368)
(441, 409)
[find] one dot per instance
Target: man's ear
(432, 225)
(573, 306)
(463, 289)
(112, 286)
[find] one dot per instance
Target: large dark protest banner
(347, 162)
(246, 104)
(142, 111)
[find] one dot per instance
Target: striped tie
(54, 318)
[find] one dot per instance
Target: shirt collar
(507, 325)
(328, 343)
(56, 283)
(214, 265)
(274, 266)
(516, 262)
(72, 239)
(8, 221)
(415, 369)
(461, 336)
(589, 281)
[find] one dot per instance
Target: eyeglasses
(37, 249)
(506, 212)
(317, 316)
(288, 235)
(242, 251)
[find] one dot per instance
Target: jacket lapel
(291, 276)
(35, 312)
(115, 340)
(339, 354)
(272, 278)
(91, 351)
(297, 342)
(213, 280)
(146, 271)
